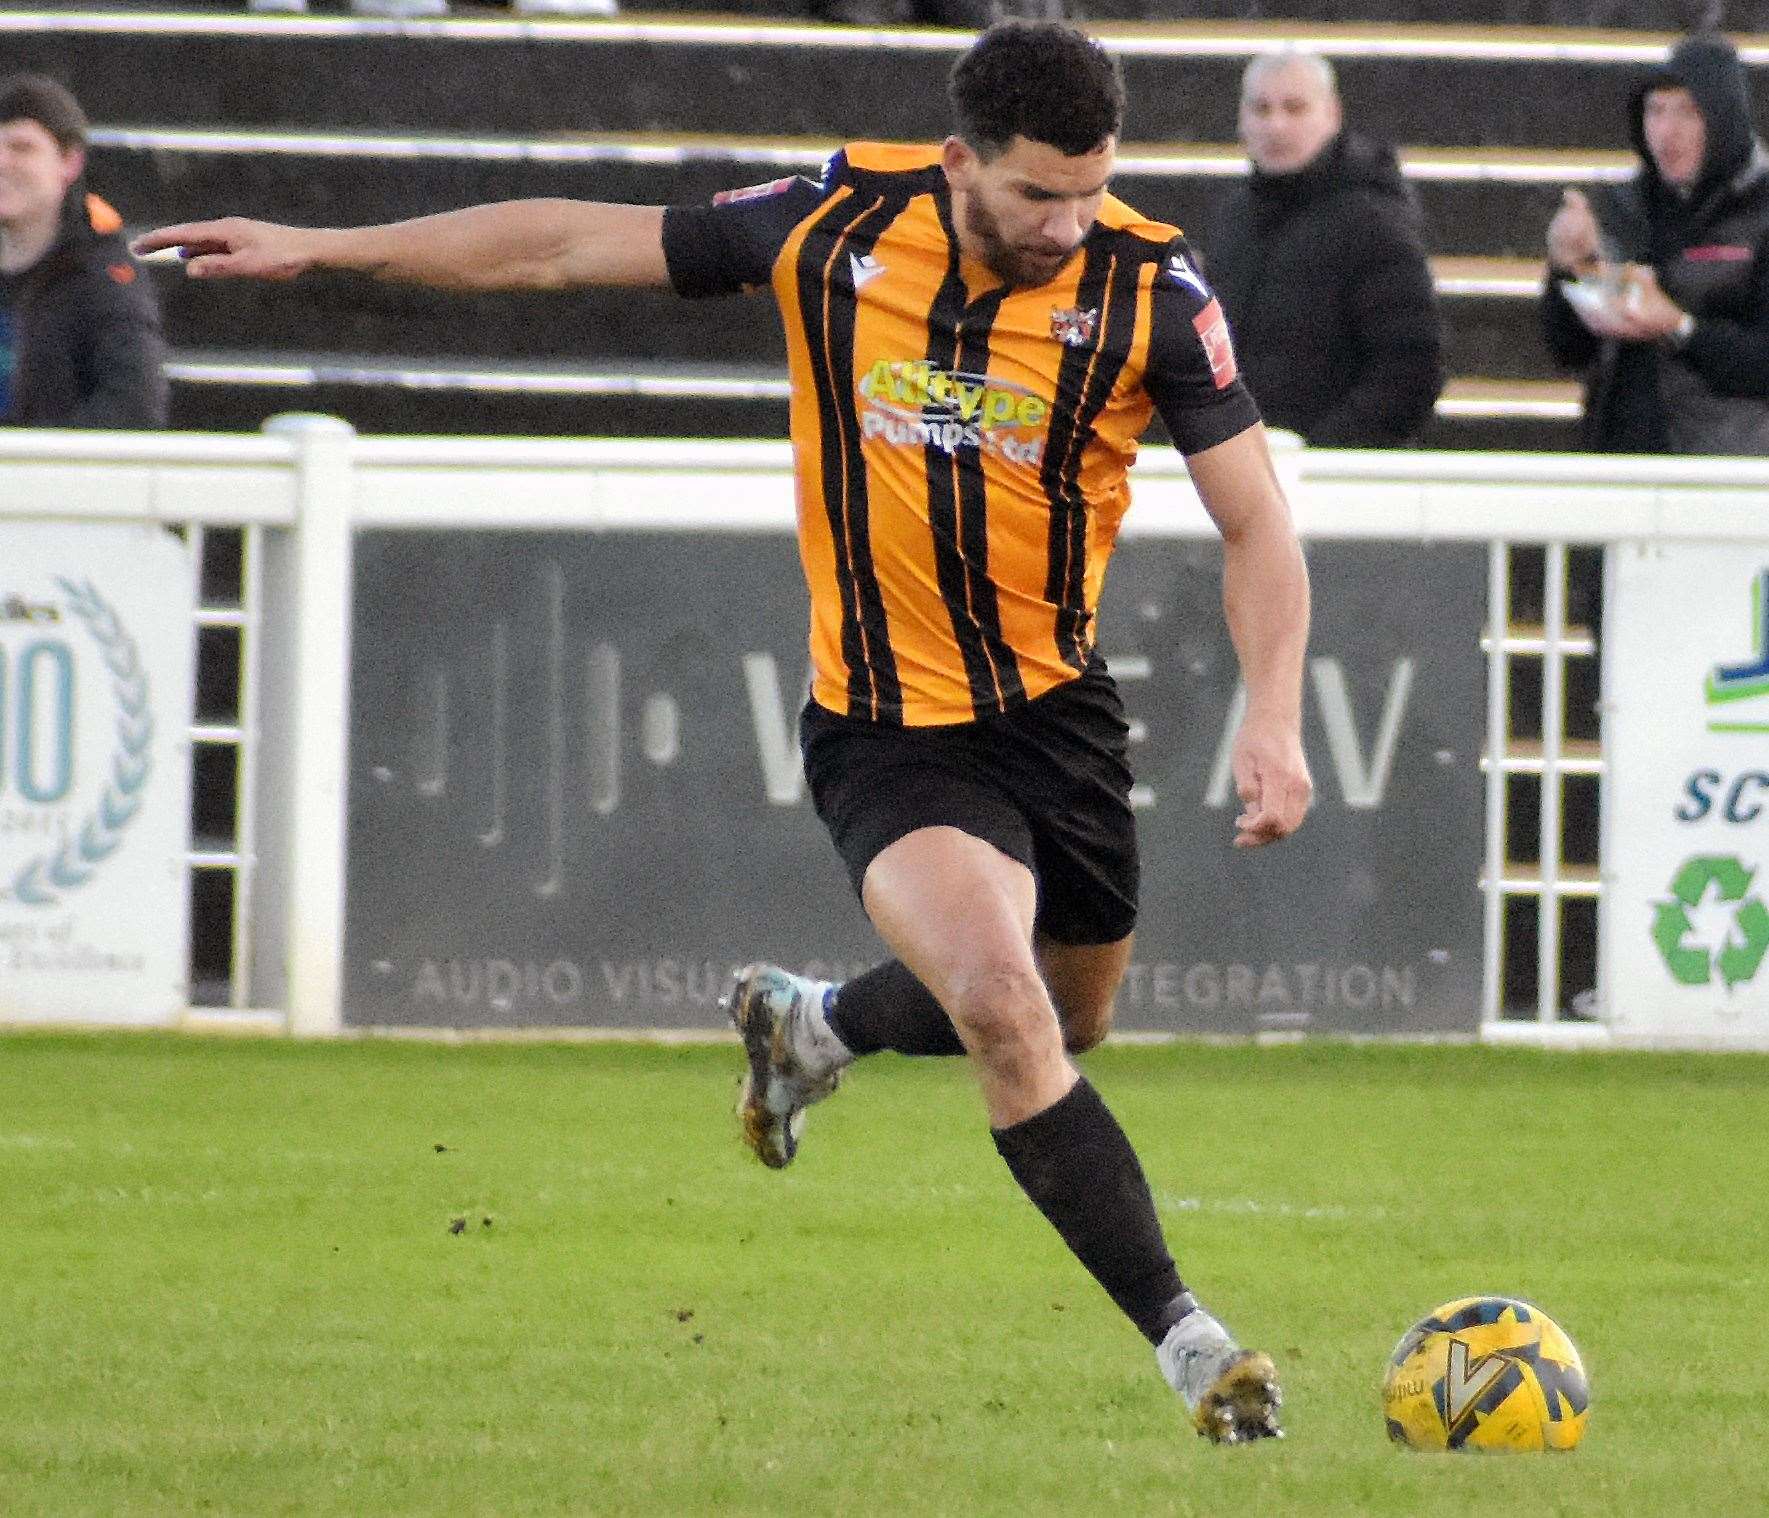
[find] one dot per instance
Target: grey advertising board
(575, 795)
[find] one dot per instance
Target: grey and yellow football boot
(795, 1059)
(1231, 1393)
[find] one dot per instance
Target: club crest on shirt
(1212, 328)
(1072, 326)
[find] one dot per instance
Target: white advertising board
(95, 701)
(1686, 793)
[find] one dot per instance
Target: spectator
(1322, 269)
(1320, 263)
(79, 329)
(1677, 360)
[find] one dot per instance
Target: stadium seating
(349, 122)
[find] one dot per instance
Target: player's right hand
(232, 248)
(1573, 240)
(1272, 780)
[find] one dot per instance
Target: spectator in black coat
(1319, 260)
(79, 328)
(1678, 360)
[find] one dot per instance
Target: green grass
(228, 1282)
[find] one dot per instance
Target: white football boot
(795, 1058)
(1231, 1393)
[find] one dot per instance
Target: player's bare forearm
(1264, 578)
(511, 245)
(1266, 602)
(1265, 599)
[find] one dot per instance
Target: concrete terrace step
(1483, 202)
(1484, 334)
(1137, 160)
(1536, 400)
(1487, 278)
(1408, 84)
(165, 174)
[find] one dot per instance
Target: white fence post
(298, 899)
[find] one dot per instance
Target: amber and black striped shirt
(961, 445)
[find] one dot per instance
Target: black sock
(888, 1008)
(1077, 1166)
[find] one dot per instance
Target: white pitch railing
(297, 493)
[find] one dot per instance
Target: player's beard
(1018, 266)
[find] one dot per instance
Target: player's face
(35, 172)
(1026, 211)
(1288, 115)
(1676, 135)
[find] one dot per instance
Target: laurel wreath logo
(42, 881)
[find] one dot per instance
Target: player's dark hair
(1040, 80)
(38, 98)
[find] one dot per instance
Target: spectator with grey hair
(1319, 260)
(79, 328)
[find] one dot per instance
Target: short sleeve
(730, 245)
(1191, 374)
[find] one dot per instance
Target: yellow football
(1486, 1373)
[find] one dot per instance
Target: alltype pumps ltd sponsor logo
(916, 405)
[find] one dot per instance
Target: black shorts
(1047, 784)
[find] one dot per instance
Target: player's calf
(1085, 1027)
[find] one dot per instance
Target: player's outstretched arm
(511, 245)
(1265, 598)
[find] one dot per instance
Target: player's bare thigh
(958, 912)
(954, 907)
(1084, 980)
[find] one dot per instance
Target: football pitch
(257, 1277)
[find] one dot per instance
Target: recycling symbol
(1747, 938)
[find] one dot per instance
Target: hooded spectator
(1673, 267)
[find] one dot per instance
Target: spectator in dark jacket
(1319, 260)
(79, 329)
(1677, 360)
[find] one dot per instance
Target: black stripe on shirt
(958, 340)
(827, 303)
(1070, 431)
(1117, 333)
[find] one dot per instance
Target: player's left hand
(1271, 778)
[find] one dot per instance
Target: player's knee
(1008, 1018)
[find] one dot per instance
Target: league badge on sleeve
(754, 191)
(1212, 328)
